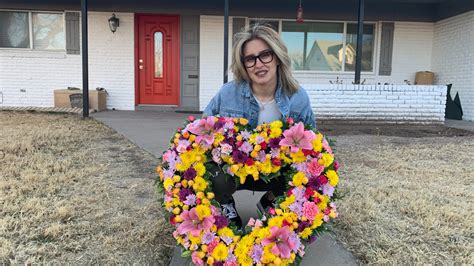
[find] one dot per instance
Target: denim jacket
(235, 99)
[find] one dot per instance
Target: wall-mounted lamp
(114, 23)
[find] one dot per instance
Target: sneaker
(266, 201)
(230, 212)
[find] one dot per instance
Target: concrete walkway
(152, 132)
(461, 124)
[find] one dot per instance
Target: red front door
(158, 59)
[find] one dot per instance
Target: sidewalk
(461, 124)
(152, 132)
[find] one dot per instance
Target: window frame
(31, 33)
(344, 43)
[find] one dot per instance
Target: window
(367, 47)
(14, 32)
(323, 46)
(314, 45)
(274, 24)
(158, 55)
(45, 32)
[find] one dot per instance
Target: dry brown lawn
(73, 191)
(407, 200)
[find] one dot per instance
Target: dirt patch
(337, 128)
(74, 191)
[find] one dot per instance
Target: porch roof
(389, 10)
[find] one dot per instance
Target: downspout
(85, 63)
(360, 34)
(226, 39)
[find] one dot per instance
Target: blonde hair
(273, 40)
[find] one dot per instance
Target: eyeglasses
(265, 57)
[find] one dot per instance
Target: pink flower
(310, 210)
(196, 260)
(281, 238)
(296, 137)
(192, 223)
(314, 168)
(326, 146)
(191, 118)
(203, 128)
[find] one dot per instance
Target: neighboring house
(171, 52)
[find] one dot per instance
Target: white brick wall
(28, 78)
(453, 58)
(396, 103)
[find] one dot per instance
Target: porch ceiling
(407, 10)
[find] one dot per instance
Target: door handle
(140, 64)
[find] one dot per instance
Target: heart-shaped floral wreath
(280, 149)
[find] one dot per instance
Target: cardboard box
(424, 78)
(97, 99)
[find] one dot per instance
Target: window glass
(314, 45)
(367, 47)
(48, 31)
(271, 23)
(14, 30)
(158, 55)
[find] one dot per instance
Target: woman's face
(264, 73)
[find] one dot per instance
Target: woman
(264, 90)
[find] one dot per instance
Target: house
(170, 53)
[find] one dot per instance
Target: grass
(73, 191)
(407, 201)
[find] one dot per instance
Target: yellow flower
(333, 177)
(299, 179)
(266, 167)
(275, 221)
(275, 133)
(168, 183)
(203, 211)
(218, 138)
(220, 252)
(225, 231)
(243, 121)
(195, 240)
(298, 157)
(199, 184)
(318, 143)
(200, 169)
(276, 124)
(306, 233)
(326, 159)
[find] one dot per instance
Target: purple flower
(227, 239)
(190, 173)
(256, 253)
(296, 208)
(313, 183)
(183, 193)
(218, 263)
(246, 147)
(259, 139)
(221, 221)
(275, 152)
(302, 226)
(239, 157)
(261, 156)
(296, 239)
(312, 239)
(328, 190)
(190, 200)
(299, 193)
(219, 124)
(245, 134)
(208, 237)
(274, 143)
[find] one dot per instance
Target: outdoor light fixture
(113, 23)
(299, 14)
